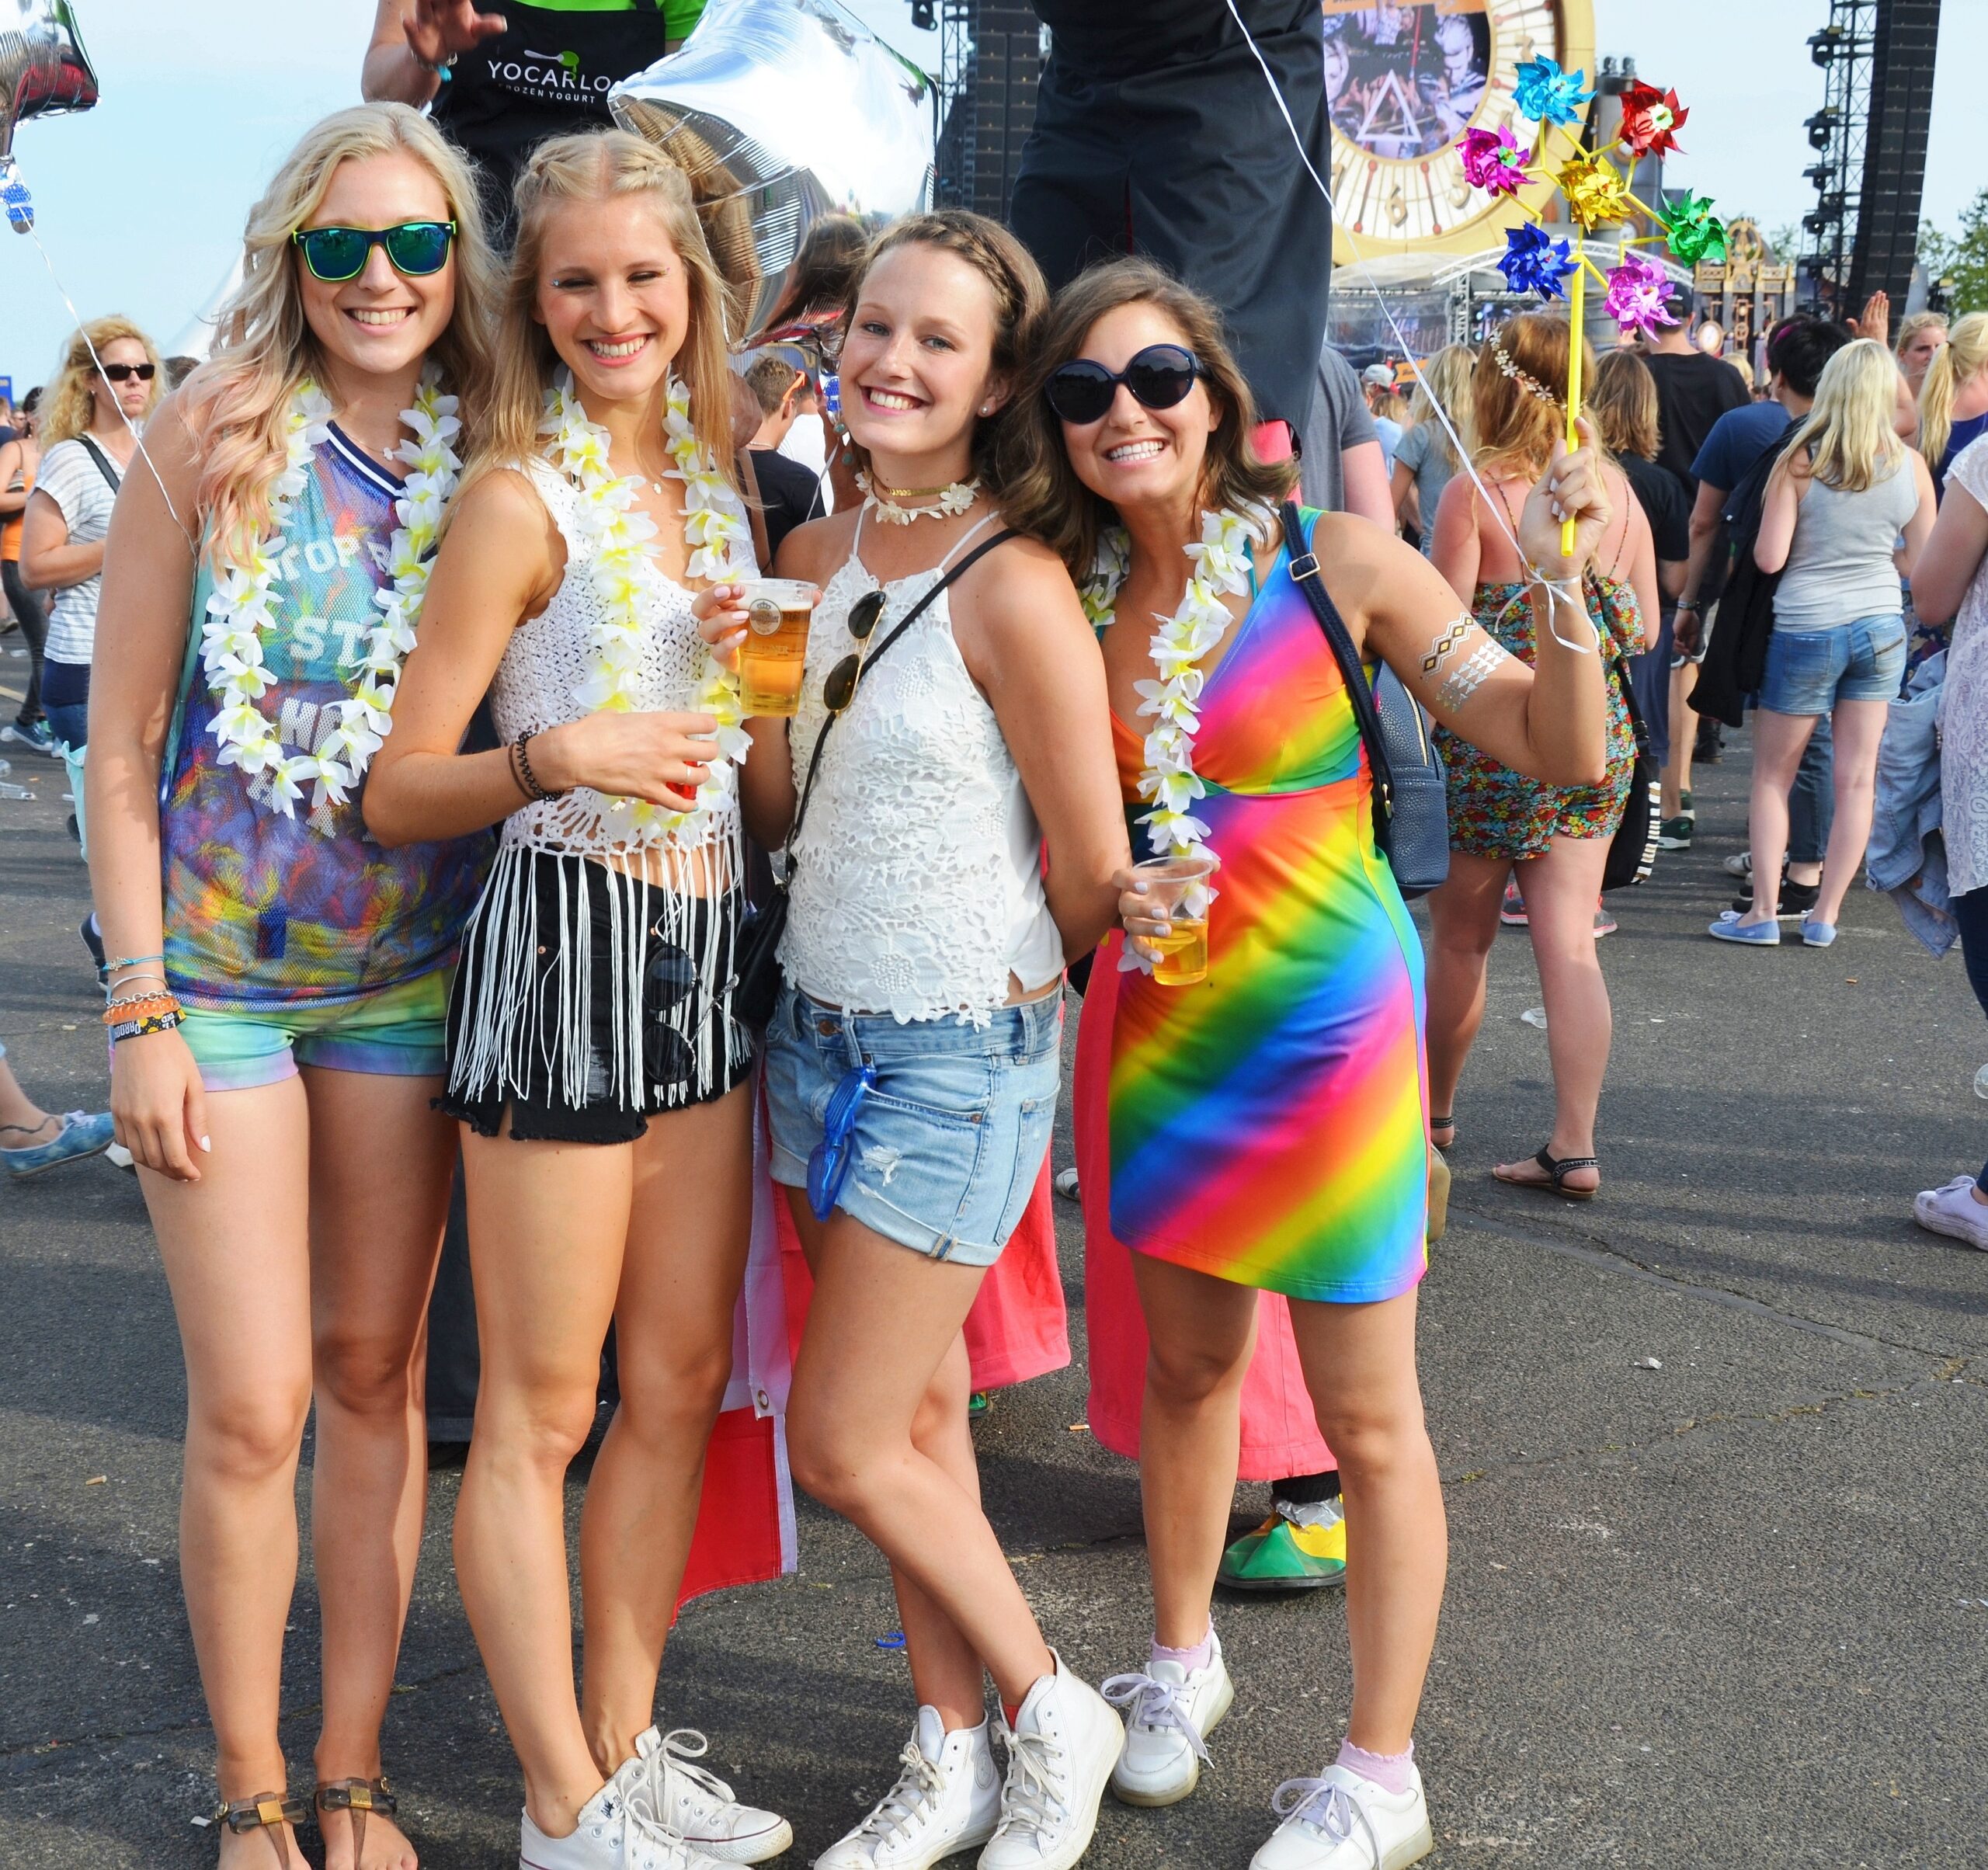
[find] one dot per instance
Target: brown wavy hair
(1628, 418)
(1021, 303)
(1515, 427)
(1044, 497)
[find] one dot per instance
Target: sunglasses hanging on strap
(758, 990)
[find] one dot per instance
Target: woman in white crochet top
(593, 1057)
(912, 1061)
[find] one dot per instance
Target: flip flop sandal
(1439, 1198)
(359, 1797)
(268, 1812)
(1558, 1169)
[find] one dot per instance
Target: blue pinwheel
(1533, 262)
(1548, 95)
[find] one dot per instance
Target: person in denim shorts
(911, 1062)
(1848, 509)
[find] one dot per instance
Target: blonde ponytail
(1958, 362)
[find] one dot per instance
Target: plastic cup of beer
(1177, 892)
(773, 657)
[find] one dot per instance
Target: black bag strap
(103, 460)
(869, 662)
(1304, 574)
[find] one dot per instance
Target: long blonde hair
(591, 166)
(1444, 382)
(1846, 441)
(1962, 359)
(238, 406)
(67, 407)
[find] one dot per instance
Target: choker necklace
(947, 503)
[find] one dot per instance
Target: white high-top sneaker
(947, 1798)
(1343, 1822)
(612, 1834)
(664, 1786)
(1170, 1711)
(1061, 1750)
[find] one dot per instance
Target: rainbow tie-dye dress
(1268, 1126)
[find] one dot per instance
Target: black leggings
(1970, 912)
(33, 620)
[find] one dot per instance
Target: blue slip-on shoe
(1818, 934)
(1750, 935)
(82, 1134)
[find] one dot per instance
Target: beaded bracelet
(145, 1028)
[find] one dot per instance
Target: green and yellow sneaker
(1281, 1555)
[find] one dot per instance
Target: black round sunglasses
(1081, 391)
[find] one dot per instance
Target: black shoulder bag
(758, 990)
(1632, 851)
(1411, 803)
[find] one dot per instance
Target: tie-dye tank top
(262, 910)
(1266, 1126)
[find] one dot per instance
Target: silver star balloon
(782, 111)
(43, 71)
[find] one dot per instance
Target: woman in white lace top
(912, 1061)
(592, 1006)
(1951, 581)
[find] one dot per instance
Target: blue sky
(140, 201)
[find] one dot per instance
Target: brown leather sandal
(267, 1812)
(359, 1797)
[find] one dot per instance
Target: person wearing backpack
(1844, 490)
(110, 381)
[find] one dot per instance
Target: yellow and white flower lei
(1221, 562)
(624, 571)
(231, 636)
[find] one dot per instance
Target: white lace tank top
(548, 659)
(917, 884)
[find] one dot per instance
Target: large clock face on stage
(1403, 83)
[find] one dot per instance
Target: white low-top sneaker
(1343, 1822)
(613, 1833)
(1061, 1749)
(660, 1779)
(1169, 1713)
(947, 1798)
(1953, 1211)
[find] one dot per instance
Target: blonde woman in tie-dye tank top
(278, 978)
(1265, 1129)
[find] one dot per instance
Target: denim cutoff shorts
(947, 1147)
(1809, 671)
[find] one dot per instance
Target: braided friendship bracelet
(137, 1005)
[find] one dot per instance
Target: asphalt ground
(1712, 1447)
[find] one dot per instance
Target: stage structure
(1750, 292)
(990, 62)
(1870, 140)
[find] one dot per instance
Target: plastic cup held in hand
(1177, 892)
(773, 657)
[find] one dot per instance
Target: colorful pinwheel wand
(1597, 195)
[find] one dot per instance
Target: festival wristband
(145, 1028)
(138, 1004)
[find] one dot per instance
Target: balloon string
(1373, 285)
(137, 435)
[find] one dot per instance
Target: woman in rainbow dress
(1267, 1127)
(277, 1003)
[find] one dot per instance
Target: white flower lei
(231, 637)
(624, 571)
(1221, 562)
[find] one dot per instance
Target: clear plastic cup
(773, 657)
(1177, 888)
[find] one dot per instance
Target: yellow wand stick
(1576, 319)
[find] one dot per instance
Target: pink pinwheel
(1636, 292)
(1493, 161)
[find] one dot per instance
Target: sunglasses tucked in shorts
(937, 1144)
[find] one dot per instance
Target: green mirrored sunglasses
(415, 247)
